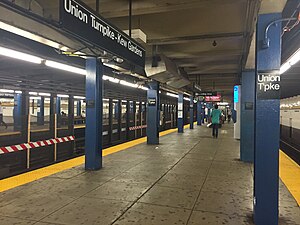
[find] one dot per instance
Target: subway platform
(189, 178)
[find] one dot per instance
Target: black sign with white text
(207, 93)
(151, 101)
(268, 85)
(83, 22)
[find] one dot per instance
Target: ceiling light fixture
(6, 91)
(20, 55)
(295, 58)
(65, 67)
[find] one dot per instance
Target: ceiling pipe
(98, 6)
(130, 17)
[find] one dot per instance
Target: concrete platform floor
(189, 178)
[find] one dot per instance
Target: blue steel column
(152, 129)
(247, 116)
(94, 111)
(58, 110)
(180, 113)
(191, 112)
(41, 111)
(267, 128)
(52, 108)
(199, 113)
(17, 112)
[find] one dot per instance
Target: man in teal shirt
(215, 116)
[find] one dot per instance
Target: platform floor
(189, 178)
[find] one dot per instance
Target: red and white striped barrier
(21, 147)
(137, 127)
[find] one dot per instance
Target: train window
(6, 117)
(62, 105)
(115, 111)
(105, 111)
(39, 109)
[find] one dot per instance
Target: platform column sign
(268, 85)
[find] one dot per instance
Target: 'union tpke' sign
(268, 85)
(83, 22)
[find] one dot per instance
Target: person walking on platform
(1, 117)
(215, 116)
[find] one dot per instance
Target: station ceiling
(208, 39)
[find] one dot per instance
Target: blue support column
(52, 108)
(247, 116)
(191, 112)
(78, 108)
(58, 111)
(71, 115)
(267, 109)
(94, 111)
(58, 107)
(17, 112)
(180, 113)
(199, 113)
(153, 111)
(41, 111)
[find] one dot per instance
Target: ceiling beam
(119, 9)
(179, 40)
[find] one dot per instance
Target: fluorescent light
(34, 97)
(290, 62)
(18, 92)
(79, 97)
(187, 99)
(284, 68)
(26, 34)
(295, 58)
(172, 95)
(111, 79)
(65, 67)
(123, 82)
(104, 77)
(6, 91)
(45, 94)
(63, 96)
(20, 55)
(143, 88)
(33, 93)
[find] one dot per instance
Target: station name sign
(268, 85)
(81, 21)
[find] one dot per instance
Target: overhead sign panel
(80, 20)
(213, 98)
(209, 93)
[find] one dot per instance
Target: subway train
(290, 127)
(124, 119)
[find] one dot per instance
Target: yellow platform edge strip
(289, 172)
(18, 180)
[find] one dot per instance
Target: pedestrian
(229, 115)
(215, 115)
(1, 116)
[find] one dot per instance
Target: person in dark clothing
(1, 117)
